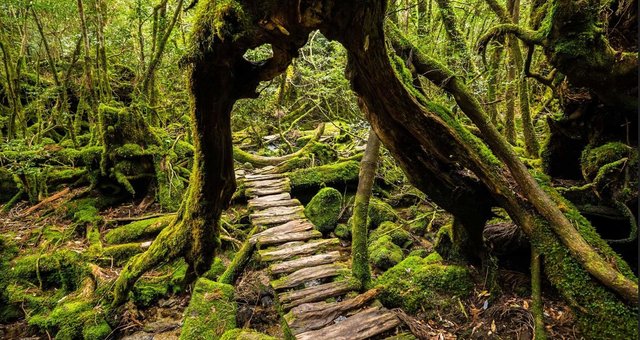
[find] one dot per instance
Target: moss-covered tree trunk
(359, 243)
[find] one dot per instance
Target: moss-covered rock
(383, 253)
(379, 212)
(416, 284)
(343, 231)
(211, 311)
(398, 235)
(245, 334)
(138, 230)
(419, 253)
(324, 209)
(74, 319)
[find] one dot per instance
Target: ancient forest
(318, 169)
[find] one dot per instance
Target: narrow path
(307, 270)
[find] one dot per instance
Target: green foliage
(417, 284)
(211, 312)
(324, 209)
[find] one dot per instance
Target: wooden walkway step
(305, 270)
(363, 325)
(291, 249)
(303, 275)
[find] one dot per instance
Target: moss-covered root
(211, 311)
(138, 230)
(536, 296)
(239, 260)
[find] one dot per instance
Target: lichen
(324, 209)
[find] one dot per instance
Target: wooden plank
(303, 275)
(307, 261)
(266, 182)
(256, 192)
(363, 325)
(311, 316)
(270, 204)
(277, 211)
(279, 219)
(288, 237)
(294, 226)
(257, 177)
(316, 293)
(287, 250)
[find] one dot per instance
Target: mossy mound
(120, 254)
(62, 269)
(398, 235)
(417, 284)
(138, 230)
(379, 212)
(245, 334)
(594, 158)
(217, 268)
(211, 311)
(324, 209)
(339, 173)
(75, 319)
(343, 231)
(384, 254)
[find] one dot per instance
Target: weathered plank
(258, 177)
(276, 182)
(277, 211)
(303, 275)
(287, 250)
(363, 325)
(294, 226)
(278, 219)
(288, 237)
(307, 261)
(269, 198)
(311, 316)
(264, 191)
(270, 204)
(316, 293)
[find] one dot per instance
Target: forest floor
(476, 316)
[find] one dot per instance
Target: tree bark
(359, 242)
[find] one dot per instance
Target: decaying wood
(307, 261)
(312, 316)
(294, 226)
(269, 198)
(270, 204)
(277, 211)
(254, 192)
(363, 325)
(316, 293)
(288, 237)
(287, 251)
(259, 177)
(307, 274)
(277, 219)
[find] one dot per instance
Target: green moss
(419, 253)
(138, 230)
(379, 212)
(217, 268)
(398, 235)
(336, 173)
(74, 319)
(8, 249)
(324, 209)
(96, 330)
(84, 211)
(343, 231)
(211, 311)
(595, 158)
(146, 292)
(121, 253)
(384, 254)
(415, 284)
(245, 334)
(64, 269)
(433, 258)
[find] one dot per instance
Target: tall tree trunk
(359, 243)
(90, 92)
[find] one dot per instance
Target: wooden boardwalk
(306, 270)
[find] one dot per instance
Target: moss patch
(343, 231)
(324, 209)
(64, 269)
(384, 254)
(398, 235)
(245, 334)
(379, 212)
(138, 230)
(416, 284)
(211, 311)
(336, 173)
